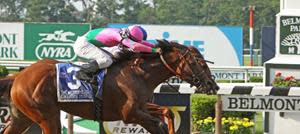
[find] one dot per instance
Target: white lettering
(294, 28)
(290, 21)
(291, 50)
(56, 52)
(75, 84)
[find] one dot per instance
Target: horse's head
(188, 64)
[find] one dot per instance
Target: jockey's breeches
(87, 50)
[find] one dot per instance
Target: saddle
(71, 89)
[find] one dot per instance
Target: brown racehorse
(128, 86)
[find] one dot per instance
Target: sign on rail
(251, 98)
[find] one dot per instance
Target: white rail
(232, 71)
(16, 63)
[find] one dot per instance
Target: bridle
(194, 77)
(168, 66)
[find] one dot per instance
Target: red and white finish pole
(251, 17)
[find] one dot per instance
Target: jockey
(87, 46)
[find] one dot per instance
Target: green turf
(256, 60)
(88, 124)
(259, 123)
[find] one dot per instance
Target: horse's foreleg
(150, 123)
(162, 112)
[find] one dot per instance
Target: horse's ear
(163, 41)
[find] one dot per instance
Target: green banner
(290, 35)
(52, 40)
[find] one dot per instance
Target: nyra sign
(53, 41)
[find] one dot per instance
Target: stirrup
(81, 75)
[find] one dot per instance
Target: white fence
(220, 72)
(16, 64)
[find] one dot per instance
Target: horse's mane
(168, 45)
(165, 45)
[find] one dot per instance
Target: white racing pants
(89, 51)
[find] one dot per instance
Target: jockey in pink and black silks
(87, 46)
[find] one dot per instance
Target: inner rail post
(218, 115)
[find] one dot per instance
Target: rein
(195, 78)
(171, 69)
(168, 66)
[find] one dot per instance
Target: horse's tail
(6, 84)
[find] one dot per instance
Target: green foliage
(50, 11)
(281, 81)
(3, 71)
(187, 12)
(203, 107)
(11, 10)
(256, 79)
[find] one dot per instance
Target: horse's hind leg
(40, 106)
(162, 112)
(47, 118)
(51, 125)
(19, 123)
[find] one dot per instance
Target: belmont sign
(225, 75)
(260, 103)
(11, 41)
(54, 41)
(290, 35)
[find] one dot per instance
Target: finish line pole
(251, 39)
(70, 124)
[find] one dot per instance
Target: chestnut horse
(128, 87)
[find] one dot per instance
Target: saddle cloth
(70, 89)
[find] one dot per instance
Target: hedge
(3, 71)
(203, 107)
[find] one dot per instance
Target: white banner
(210, 40)
(11, 41)
(220, 44)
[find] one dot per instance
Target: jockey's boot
(87, 71)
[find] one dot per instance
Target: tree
(50, 11)
(187, 12)
(235, 13)
(11, 10)
(105, 12)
